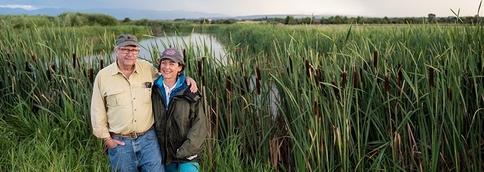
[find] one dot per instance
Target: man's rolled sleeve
(98, 112)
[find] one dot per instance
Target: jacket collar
(180, 87)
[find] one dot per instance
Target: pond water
(203, 45)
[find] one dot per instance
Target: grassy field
(291, 98)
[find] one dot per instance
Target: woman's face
(170, 69)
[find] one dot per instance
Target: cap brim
(171, 58)
(126, 43)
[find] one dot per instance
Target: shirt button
(134, 109)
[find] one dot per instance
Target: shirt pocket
(144, 94)
(115, 98)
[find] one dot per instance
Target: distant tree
(205, 21)
(126, 20)
(431, 17)
(289, 20)
(359, 20)
(307, 20)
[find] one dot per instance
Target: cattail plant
(275, 152)
(431, 77)
(34, 58)
(27, 67)
(320, 76)
(386, 83)
(228, 85)
(400, 77)
(101, 63)
(90, 75)
(344, 79)
(290, 69)
(375, 59)
(200, 70)
(356, 78)
(74, 61)
(257, 80)
(184, 52)
(309, 69)
(335, 89)
(246, 85)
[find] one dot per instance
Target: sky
(369, 8)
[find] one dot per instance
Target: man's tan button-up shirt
(120, 104)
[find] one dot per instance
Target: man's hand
(192, 83)
(112, 143)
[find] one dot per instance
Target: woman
(179, 119)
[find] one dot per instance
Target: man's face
(169, 68)
(127, 55)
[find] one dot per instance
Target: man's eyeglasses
(129, 50)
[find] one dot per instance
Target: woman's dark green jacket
(181, 126)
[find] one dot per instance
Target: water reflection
(203, 45)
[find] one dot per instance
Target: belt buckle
(133, 135)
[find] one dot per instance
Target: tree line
(84, 19)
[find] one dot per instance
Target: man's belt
(132, 135)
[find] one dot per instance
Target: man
(121, 109)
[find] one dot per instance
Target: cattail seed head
(34, 58)
(257, 73)
(90, 75)
(200, 64)
(247, 84)
(74, 61)
(400, 76)
(375, 59)
(48, 72)
(228, 84)
(343, 79)
(386, 83)
(101, 63)
(200, 67)
(290, 65)
(27, 67)
(308, 69)
(316, 110)
(431, 77)
(356, 78)
(320, 76)
(184, 52)
(53, 67)
(257, 81)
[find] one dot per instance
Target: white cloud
(13, 6)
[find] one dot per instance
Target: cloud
(14, 6)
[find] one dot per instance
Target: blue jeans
(142, 153)
(183, 167)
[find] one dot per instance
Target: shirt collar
(115, 68)
(169, 89)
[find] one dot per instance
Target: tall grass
(46, 76)
(400, 98)
(298, 98)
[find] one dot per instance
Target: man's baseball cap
(127, 40)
